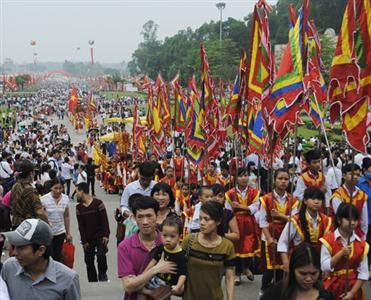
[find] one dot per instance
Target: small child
(130, 224)
(169, 251)
(337, 256)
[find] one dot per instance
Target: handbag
(68, 254)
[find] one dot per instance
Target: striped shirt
(55, 212)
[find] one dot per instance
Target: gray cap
(30, 231)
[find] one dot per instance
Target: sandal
(249, 275)
(237, 280)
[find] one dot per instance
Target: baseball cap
(30, 231)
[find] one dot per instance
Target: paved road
(113, 290)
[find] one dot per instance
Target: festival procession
(245, 174)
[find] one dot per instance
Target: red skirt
(248, 244)
(336, 284)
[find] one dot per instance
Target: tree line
(180, 52)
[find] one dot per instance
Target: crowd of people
(304, 224)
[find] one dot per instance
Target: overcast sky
(59, 27)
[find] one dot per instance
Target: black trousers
(242, 264)
(68, 184)
(91, 183)
(97, 248)
(57, 244)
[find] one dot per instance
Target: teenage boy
(359, 198)
(313, 177)
(94, 231)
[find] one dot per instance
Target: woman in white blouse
(55, 204)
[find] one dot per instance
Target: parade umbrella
(109, 137)
(129, 120)
(113, 120)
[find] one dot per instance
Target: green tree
(20, 81)
(328, 48)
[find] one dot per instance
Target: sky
(60, 27)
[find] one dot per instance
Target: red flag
(350, 74)
(72, 102)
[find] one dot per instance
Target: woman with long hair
(210, 256)
(344, 250)
(303, 280)
(55, 204)
(275, 211)
(244, 200)
(308, 226)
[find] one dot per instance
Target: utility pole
(220, 6)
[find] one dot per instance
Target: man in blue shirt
(364, 184)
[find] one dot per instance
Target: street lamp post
(220, 6)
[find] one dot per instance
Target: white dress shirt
(334, 176)
(134, 188)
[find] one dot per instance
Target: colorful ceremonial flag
(93, 103)
(286, 99)
(195, 135)
(285, 115)
(180, 107)
(289, 82)
(350, 74)
(260, 76)
(234, 110)
(139, 149)
(72, 102)
(212, 122)
(255, 128)
(261, 65)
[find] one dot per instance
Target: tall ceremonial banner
(195, 135)
(222, 100)
(92, 103)
(235, 112)
(212, 123)
(72, 102)
(180, 106)
(158, 116)
(260, 76)
(139, 148)
(350, 74)
(314, 83)
(286, 99)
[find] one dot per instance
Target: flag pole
(346, 288)
(271, 187)
(324, 133)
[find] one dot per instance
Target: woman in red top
(338, 257)
(244, 200)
